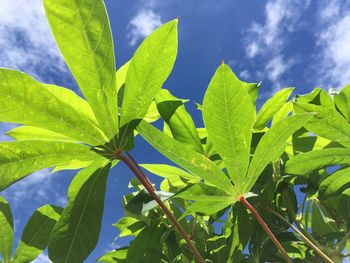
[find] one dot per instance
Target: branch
(149, 187)
(296, 230)
(265, 227)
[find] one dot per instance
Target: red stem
(265, 227)
(149, 187)
(140, 170)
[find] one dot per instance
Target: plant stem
(149, 187)
(140, 170)
(296, 230)
(265, 227)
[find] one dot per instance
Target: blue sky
(304, 44)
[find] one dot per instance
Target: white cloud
(142, 24)
(244, 75)
(26, 42)
(268, 40)
(38, 187)
(333, 37)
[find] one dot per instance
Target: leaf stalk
(134, 167)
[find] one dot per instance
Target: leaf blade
(85, 26)
(188, 159)
(6, 230)
(272, 145)
(81, 219)
(18, 159)
(148, 70)
(228, 116)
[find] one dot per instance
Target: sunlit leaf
(76, 233)
(19, 159)
(114, 256)
(272, 145)
(336, 183)
(271, 107)
(228, 116)
(185, 157)
(6, 230)
(148, 70)
(25, 133)
(180, 122)
(83, 34)
(342, 101)
(327, 123)
(305, 163)
(23, 100)
(36, 233)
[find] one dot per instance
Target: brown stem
(140, 170)
(296, 230)
(168, 213)
(264, 226)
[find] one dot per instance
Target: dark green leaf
(76, 233)
(36, 233)
(6, 230)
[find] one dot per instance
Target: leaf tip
(222, 62)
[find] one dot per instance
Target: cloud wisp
(26, 42)
(142, 24)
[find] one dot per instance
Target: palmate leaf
(180, 122)
(272, 145)
(23, 100)
(148, 70)
(6, 230)
(185, 157)
(305, 163)
(82, 32)
(19, 159)
(167, 171)
(228, 116)
(271, 107)
(327, 123)
(36, 233)
(336, 183)
(76, 233)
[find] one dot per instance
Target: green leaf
(271, 107)
(321, 223)
(253, 90)
(36, 233)
(121, 75)
(342, 101)
(23, 100)
(83, 34)
(174, 113)
(207, 200)
(167, 171)
(283, 112)
(336, 183)
(6, 230)
(185, 157)
(305, 163)
(344, 203)
(148, 70)
(317, 97)
(27, 133)
(272, 145)
(19, 159)
(228, 116)
(129, 226)
(114, 256)
(146, 248)
(327, 123)
(76, 233)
